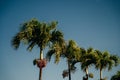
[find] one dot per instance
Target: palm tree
(105, 60)
(70, 51)
(116, 76)
(87, 59)
(38, 33)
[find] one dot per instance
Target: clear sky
(91, 23)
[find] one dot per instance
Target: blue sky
(91, 23)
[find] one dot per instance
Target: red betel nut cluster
(65, 74)
(41, 63)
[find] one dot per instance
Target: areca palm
(87, 59)
(38, 33)
(105, 60)
(70, 51)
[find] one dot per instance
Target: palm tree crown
(37, 33)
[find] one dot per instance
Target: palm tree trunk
(100, 74)
(69, 71)
(86, 71)
(41, 57)
(40, 74)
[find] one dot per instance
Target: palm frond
(57, 36)
(31, 45)
(16, 42)
(34, 62)
(49, 54)
(82, 51)
(115, 59)
(53, 25)
(89, 50)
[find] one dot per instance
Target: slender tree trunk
(41, 57)
(100, 74)
(86, 71)
(69, 71)
(40, 74)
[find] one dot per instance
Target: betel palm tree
(38, 33)
(70, 51)
(105, 60)
(87, 59)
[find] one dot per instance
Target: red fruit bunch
(65, 73)
(41, 63)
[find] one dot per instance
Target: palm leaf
(49, 54)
